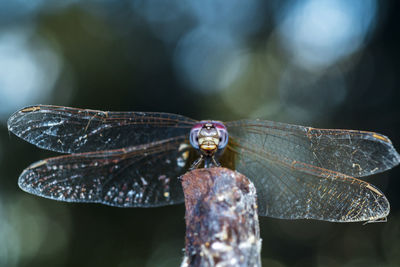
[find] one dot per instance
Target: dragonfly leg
(196, 163)
(210, 162)
(215, 162)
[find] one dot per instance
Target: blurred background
(325, 63)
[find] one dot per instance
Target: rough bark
(221, 219)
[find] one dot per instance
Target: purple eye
(194, 133)
(223, 135)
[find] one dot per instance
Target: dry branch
(221, 219)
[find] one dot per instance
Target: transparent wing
(141, 176)
(306, 173)
(295, 190)
(73, 130)
(354, 153)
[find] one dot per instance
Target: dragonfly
(135, 159)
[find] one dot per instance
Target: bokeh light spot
(29, 71)
(202, 55)
(27, 231)
(317, 33)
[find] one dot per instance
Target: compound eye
(194, 137)
(223, 138)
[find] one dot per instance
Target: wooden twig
(221, 219)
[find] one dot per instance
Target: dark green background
(113, 61)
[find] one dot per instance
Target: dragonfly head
(209, 137)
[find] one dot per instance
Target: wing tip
(392, 156)
(21, 112)
(26, 175)
(24, 185)
(382, 205)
